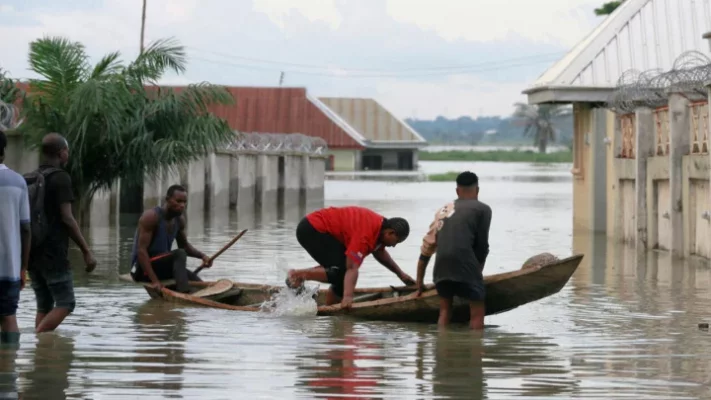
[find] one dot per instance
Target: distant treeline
(468, 131)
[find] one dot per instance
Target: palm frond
(110, 64)
(157, 58)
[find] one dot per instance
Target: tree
(538, 121)
(119, 125)
(608, 7)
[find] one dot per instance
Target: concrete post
(153, 191)
(644, 148)
(217, 184)
(289, 180)
(678, 147)
(267, 181)
(243, 182)
(193, 178)
(598, 164)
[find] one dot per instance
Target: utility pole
(281, 77)
(143, 24)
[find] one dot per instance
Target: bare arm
(383, 257)
(74, 232)
(351, 278)
(26, 238)
(183, 243)
(146, 226)
(481, 246)
(429, 242)
(25, 232)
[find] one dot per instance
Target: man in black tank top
(153, 259)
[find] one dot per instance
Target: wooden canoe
(504, 292)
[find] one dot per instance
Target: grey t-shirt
(460, 237)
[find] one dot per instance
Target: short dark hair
(3, 143)
(399, 225)
(174, 188)
(53, 143)
(467, 179)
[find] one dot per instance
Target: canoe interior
(504, 292)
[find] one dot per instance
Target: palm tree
(538, 121)
(118, 123)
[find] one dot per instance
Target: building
(637, 84)
(389, 143)
(360, 133)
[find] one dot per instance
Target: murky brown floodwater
(620, 328)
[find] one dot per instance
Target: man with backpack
(51, 196)
(14, 245)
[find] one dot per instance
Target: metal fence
(278, 143)
(689, 74)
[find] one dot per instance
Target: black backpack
(36, 186)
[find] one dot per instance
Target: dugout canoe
(504, 292)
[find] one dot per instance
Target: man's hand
(90, 261)
(157, 286)
(23, 278)
(406, 279)
(347, 302)
(420, 288)
(206, 261)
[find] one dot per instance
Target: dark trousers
(167, 266)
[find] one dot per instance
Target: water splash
(286, 302)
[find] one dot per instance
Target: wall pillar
(267, 182)
(678, 147)
(217, 181)
(290, 172)
(644, 147)
(243, 181)
(598, 164)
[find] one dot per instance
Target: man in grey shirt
(459, 235)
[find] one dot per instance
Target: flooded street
(623, 327)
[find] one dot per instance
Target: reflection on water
(624, 326)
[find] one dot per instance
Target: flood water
(625, 326)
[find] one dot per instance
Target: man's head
(467, 185)
(394, 231)
(176, 199)
(55, 149)
(3, 145)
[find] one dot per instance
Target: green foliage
(537, 121)
(497, 155)
(473, 131)
(608, 7)
(118, 125)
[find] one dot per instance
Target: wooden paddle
(222, 250)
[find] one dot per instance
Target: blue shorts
(467, 291)
(9, 298)
(53, 288)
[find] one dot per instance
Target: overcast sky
(419, 58)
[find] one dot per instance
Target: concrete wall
(589, 168)
(270, 185)
(289, 180)
(267, 181)
(243, 181)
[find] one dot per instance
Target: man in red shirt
(339, 239)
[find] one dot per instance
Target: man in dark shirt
(460, 236)
(49, 268)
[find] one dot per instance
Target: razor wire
(278, 143)
(689, 74)
(9, 117)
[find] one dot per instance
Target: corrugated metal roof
(372, 120)
(284, 110)
(640, 35)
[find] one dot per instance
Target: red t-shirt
(357, 228)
